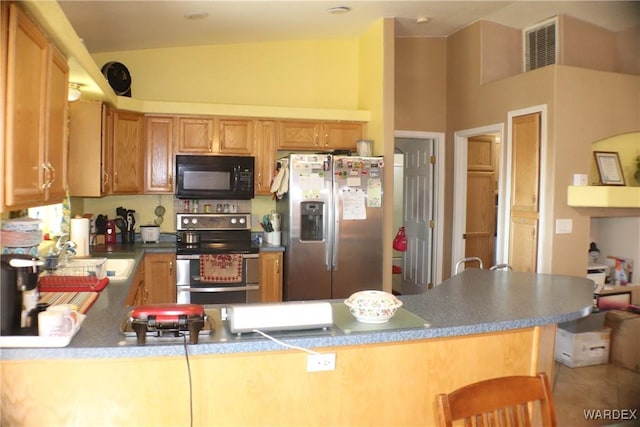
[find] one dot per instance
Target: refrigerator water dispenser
(311, 221)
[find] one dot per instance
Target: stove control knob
(242, 220)
(185, 220)
(233, 220)
(194, 220)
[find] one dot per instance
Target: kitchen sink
(113, 268)
(119, 268)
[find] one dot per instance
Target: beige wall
(591, 105)
(586, 45)
(420, 83)
(582, 105)
(501, 52)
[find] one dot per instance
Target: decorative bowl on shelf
(373, 306)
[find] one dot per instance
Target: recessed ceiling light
(339, 10)
(423, 20)
(194, 16)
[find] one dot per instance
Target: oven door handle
(222, 289)
(244, 256)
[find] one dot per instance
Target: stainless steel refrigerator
(331, 225)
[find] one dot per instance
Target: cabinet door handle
(47, 181)
(53, 173)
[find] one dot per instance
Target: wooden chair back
(504, 401)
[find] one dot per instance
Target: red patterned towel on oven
(225, 268)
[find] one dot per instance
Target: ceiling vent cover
(541, 43)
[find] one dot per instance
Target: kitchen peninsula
(477, 324)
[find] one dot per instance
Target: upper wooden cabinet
(128, 153)
(159, 161)
(88, 121)
(235, 136)
(341, 135)
(315, 135)
(35, 157)
(214, 135)
(264, 153)
(195, 135)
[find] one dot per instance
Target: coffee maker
(19, 294)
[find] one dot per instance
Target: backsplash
(145, 206)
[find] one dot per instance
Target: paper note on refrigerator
(353, 204)
(374, 193)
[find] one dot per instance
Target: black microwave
(214, 177)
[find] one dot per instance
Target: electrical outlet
(321, 362)
(564, 226)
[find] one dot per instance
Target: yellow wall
(313, 74)
(628, 148)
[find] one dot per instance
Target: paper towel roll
(80, 235)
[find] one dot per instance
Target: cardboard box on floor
(633, 289)
(625, 338)
(583, 342)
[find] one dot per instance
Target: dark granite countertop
(472, 302)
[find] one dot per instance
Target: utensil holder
(273, 238)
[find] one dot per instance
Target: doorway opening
(419, 207)
(479, 183)
(505, 189)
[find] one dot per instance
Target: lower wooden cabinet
(154, 281)
(137, 292)
(160, 278)
(270, 276)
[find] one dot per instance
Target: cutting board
(84, 300)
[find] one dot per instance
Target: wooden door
(270, 276)
(525, 179)
(195, 135)
(128, 153)
(342, 135)
(27, 56)
(159, 162)
(523, 241)
(235, 136)
(480, 227)
(265, 156)
(160, 278)
(56, 135)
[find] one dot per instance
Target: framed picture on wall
(609, 168)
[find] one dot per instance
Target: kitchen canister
(80, 234)
(364, 147)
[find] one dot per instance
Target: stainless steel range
(217, 262)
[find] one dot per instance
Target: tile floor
(595, 387)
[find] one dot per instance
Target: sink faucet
(65, 247)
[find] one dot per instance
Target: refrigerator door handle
(335, 210)
(328, 227)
